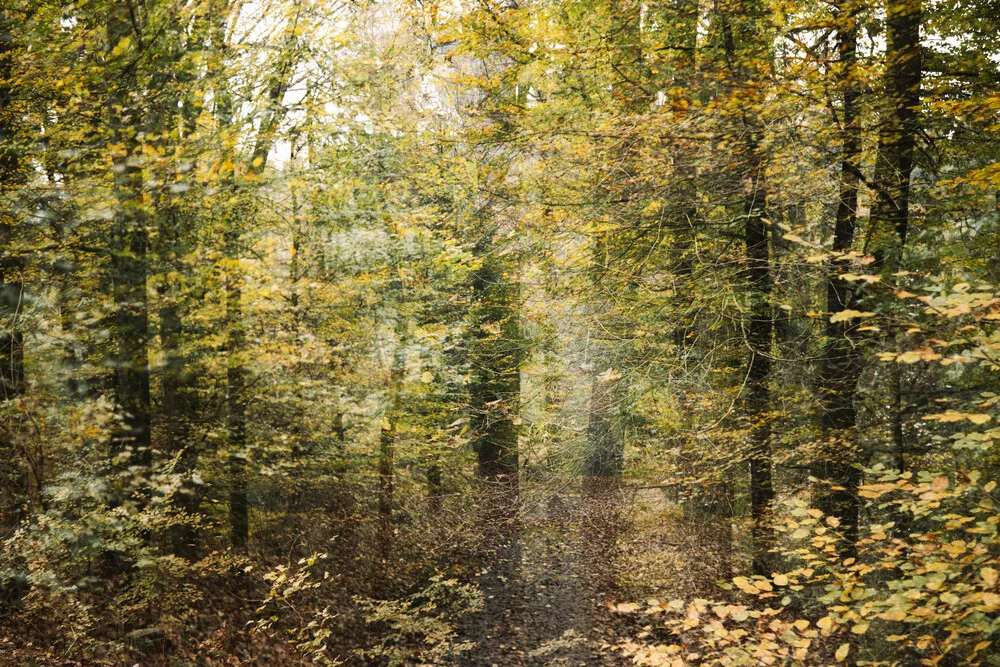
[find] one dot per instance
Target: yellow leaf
(121, 47)
(989, 576)
(842, 652)
(848, 314)
(427, 377)
(860, 628)
(780, 580)
(825, 624)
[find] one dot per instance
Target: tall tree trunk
(21, 473)
(386, 490)
(236, 399)
(605, 442)
(760, 329)
(899, 122)
(244, 210)
(747, 54)
(495, 402)
(178, 403)
(387, 443)
(129, 261)
(496, 355)
(435, 486)
(840, 365)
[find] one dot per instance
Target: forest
(499, 332)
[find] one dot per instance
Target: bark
(685, 20)
(236, 375)
(746, 53)
(840, 365)
(386, 489)
(11, 287)
(900, 123)
(179, 405)
(435, 487)
(495, 395)
(759, 328)
(898, 441)
(129, 261)
(24, 477)
(236, 399)
(605, 445)
(387, 447)
(494, 404)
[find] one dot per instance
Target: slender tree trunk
(604, 438)
(605, 444)
(497, 386)
(746, 53)
(24, 476)
(236, 417)
(899, 443)
(237, 399)
(760, 330)
(840, 365)
(129, 261)
(387, 441)
(684, 18)
(494, 403)
(11, 290)
(386, 490)
(178, 407)
(435, 487)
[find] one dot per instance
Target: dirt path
(544, 608)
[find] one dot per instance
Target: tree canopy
(501, 332)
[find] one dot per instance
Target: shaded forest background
(499, 332)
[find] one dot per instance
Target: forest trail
(548, 606)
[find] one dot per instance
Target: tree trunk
(746, 53)
(496, 388)
(494, 403)
(178, 409)
(236, 400)
(759, 338)
(24, 479)
(129, 261)
(386, 489)
(435, 487)
(605, 444)
(840, 365)
(900, 122)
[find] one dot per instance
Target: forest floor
(552, 607)
(550, 590)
